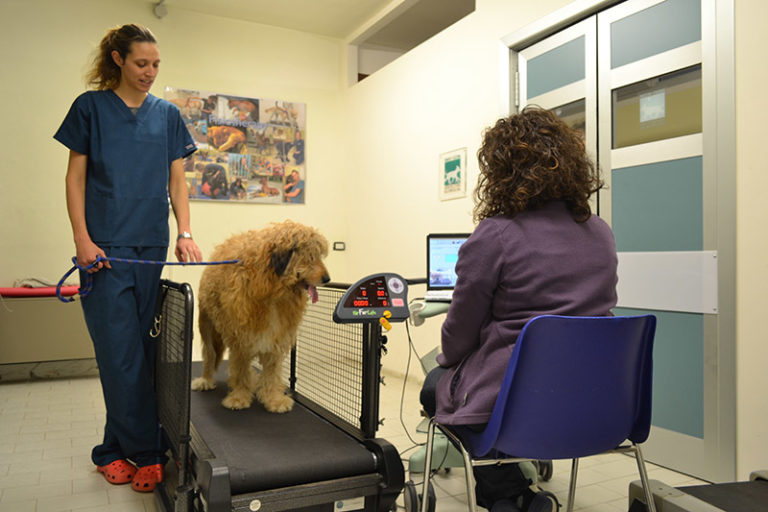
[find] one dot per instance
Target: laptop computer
(442, 255)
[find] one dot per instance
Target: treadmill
(749, 496)
(323, 455)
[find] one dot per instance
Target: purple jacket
(509, 271)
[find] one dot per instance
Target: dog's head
(296, 257)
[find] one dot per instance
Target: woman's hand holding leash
(88, 253)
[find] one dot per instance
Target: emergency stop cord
(87, 286)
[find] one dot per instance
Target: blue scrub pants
(119, 312)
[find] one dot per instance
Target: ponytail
(105, 73)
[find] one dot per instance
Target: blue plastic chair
(574, 387)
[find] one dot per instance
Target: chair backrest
(574, 386)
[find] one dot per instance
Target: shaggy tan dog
(253, 308)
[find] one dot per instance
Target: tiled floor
(47, 428)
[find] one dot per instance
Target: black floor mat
(733, 497)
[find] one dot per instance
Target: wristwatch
(184, 234)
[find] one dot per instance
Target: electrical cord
(405, 381)
(412, 348)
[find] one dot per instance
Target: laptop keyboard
(439, 295)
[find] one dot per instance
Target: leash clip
(157, 327)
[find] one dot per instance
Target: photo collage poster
(249, 150)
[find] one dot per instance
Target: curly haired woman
(537, 250)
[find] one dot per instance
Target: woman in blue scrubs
(125, 160)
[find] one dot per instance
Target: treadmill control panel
(378, 297)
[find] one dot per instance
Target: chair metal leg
(572, 486)
(644, 478)
(469, 478)
(427, 466)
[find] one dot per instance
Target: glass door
(639, 80)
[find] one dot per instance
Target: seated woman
(537, 250)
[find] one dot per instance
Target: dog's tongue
(312, 293)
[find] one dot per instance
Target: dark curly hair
(104, 73)
(529, 159)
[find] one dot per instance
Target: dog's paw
(278, 403)
(237, 400)
(203, 384)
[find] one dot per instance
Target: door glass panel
(574, 114)
(658, 206)
(678, 370)
(659, 108)
(660, 28)
(557, 67)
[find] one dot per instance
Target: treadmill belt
(266, 450)
(733, 497)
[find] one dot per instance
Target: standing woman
(125, 159)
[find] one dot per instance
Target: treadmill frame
(202, 482)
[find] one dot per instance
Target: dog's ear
(280, 260)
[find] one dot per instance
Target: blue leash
(85, 288)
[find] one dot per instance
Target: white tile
(70, 474)
(70, 434)
(19, 480)
(36, 492)
(124, 494)
(619, 485)
(25, 456)
(135, 506)
(37, 465)
(61, 452)
(620, 466)
(672, 478)
(92, 483)
(74, 501)
(450, 484)
(45, 427)
(590, 495)
(26, 506)
(44, 444)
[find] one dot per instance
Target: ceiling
(395, 24)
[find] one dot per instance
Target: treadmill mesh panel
(173, 361)
(329, 360)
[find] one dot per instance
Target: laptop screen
(442, 255)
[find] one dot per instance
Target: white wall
(370, 60)
(752, 240)
(436, 98)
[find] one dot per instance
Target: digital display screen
(371, 294)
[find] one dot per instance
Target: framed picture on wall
(249, 150)
(452, 179)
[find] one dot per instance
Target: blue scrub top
(129, 159)
(299, 198)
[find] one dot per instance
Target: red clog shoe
(117, 472)
(147, 477)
